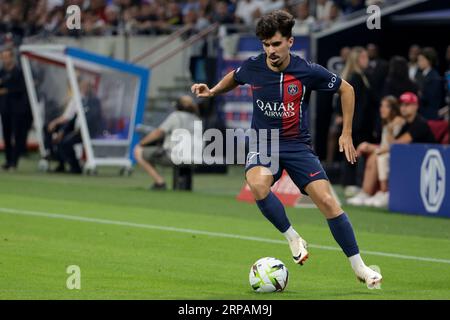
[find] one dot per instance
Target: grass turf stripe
(201, 232)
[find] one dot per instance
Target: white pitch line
(200, 232)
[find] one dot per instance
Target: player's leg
(150, 169)
(260, 179)
(342, 230)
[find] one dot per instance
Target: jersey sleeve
(323, 80)
(242, 74)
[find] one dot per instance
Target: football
(268, 275)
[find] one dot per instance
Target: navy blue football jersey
(278, 97)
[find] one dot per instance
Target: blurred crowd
(23, 18)
(403, 100)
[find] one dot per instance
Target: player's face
(277, 49)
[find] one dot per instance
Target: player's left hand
(346, 145)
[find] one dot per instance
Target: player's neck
(282, 66)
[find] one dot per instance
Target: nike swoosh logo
(314, 174)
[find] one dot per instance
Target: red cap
(409, 98)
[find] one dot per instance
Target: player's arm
(348, 107)
(226, 84)
(153, 136)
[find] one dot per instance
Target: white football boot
(370, 276)
(298, 249)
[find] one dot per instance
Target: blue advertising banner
(419, 179)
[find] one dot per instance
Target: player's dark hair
(278, 20)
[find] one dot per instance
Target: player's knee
(329, 203)
(259, 188)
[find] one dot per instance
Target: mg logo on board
(432, 181)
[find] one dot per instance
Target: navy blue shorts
(302, 165)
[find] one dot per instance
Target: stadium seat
(440, 129)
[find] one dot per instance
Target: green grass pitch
(131, 243)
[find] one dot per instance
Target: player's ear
(291, 41)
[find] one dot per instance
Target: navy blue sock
(273, 210)
(342, 231)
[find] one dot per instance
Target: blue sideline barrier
(419, 179)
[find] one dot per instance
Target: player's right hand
(201, 90)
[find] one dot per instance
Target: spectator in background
(206, 8)
(246, 11)
(336, 65)
(147, 153)
(148, 20)
(15, 110)
(56, 129)
(376, 171)
(174, 16)
(36, 18)
(323, 10)
(13, 20)
(70, 135)
(354, 6)
(431, 94)
(190, 19)
(447, 58)
(398, 81)
(334, 16)
(376, 74)
(376, 71)
(416, 128)
(363, 123)
(446, 111)
(356, 64)
(91, 25)
(271, 5)
(304, 21)
(190, 5)
(111, 22)
(414, 71)
(98, 8)
(221, 13)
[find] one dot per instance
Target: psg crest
(292, 89)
